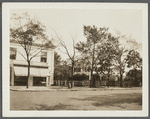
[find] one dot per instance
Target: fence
(82, 83)
(87, 82)
(74, 83)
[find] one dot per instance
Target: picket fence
(83, 83)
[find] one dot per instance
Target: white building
(41, 70)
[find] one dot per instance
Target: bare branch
(73, 39)
(22, 55)
(35, 51)
(63, 44)
(63, 52)
(30, 47)
(22, 46)
(35, 54)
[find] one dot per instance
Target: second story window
(43, 56)
(13, 53)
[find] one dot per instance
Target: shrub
(128, 78)
(131, 77)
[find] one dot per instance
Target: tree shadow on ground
(55, 107)
(122, 101)
(117, 100)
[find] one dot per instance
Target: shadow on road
(122, 101)
(118, 100)
(56, 107)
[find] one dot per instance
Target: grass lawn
(77, 100)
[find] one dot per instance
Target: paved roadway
(77, 100)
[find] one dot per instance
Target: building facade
(41, 68)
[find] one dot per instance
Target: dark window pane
(13, 53)
(43, 56)
(43, 59)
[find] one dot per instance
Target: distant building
(81, 70)
(41, 70)
(86, 70)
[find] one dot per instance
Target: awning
(37, 72)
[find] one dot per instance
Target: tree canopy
(133, 59)
(29, 32)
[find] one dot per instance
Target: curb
(41, 90)
(58, 90)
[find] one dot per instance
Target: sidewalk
(62, 88)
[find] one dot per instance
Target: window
(43, 56)
(13, 53)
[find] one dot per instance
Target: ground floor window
(39, 81)
(20, 81)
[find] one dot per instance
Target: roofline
(34, 44)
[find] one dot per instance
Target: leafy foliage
(57, 59)
(89, 48)
(99, 50)
(132, 72)
(106, 54)
(62, 72)
(94, 36)
(28, 32)
(133, 59)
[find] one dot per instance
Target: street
(77, 100)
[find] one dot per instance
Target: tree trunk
(28, 74)
(120, 70)
(91, 81)
(72, 73)
(108, 80)
(108, 76)
(91, 77)
(120, 79)
(135, 79)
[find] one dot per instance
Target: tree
(29, 32)
(106, 56)
(88, 49)
(57, 63)
(124, 45)
(120, 53)
(134, 60)
(57, 59)
(71, 57)
(62, 71)
(138, 72)
(120, 62)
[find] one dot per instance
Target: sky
(70, 22)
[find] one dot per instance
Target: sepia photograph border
(6, 112)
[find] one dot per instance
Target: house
(41, 69)
(82, 70)
(113, 78)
